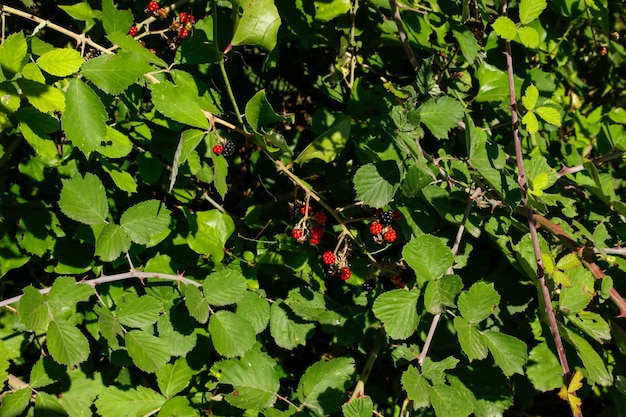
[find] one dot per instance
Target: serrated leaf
(509, 352)
(224, 287)
(189, 140)
(321, 388)
(416, 386)
(448, 402)
(84, 199)
(471, 339)
(179, 104)
(528, 36)
(253, 378)
(14, 403)
(313, 306)
(530, 122)
(539, 183)
(109, 327)
(376, 183)
(43, 97)
(138, 312)
(530, 10)
(544, 369)
(115, 144)
(428, 256)
(505, 28)
(33, 309)
(597, 372)
(130, 45)
(592, 324)
(66, 344)
(435, 371)
(84, 119)
(358, 407)
(467, 42)
(61, 62)
(329, 10)
(147, 351)
(13, 52)
(577, 296)
(397, 310)
(549, 114)
(32, 126)
(4, 363)
(530, 97)
(257, 24)
(329, 144)
(196, 304)
(10, 98)
(131, 402)
(569, 261)
(441, 293)
(144, 220)
(172, 378)
(114, 20)
(114, 73)
(82, 11)
(442, 115)
(479, 302)
(48, 405)
(112, 242)
(231, 335)
(65, 293)
(255, 310)
(177, 407)
(259, 112)
(177, 332)
(213, 230)
(286, 332)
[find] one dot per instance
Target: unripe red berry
(376, 228)
(317, 232)
(345, 273)
(296, 233)
(303, 210)
(328, 258)
(182, 33)
(183, 17)
(188, 25)
(314, 241)
(320, 217)
(218, 149)
(153, 6)
(133, 30)
(390, 235)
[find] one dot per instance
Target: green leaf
(329, 144)
(416, 386)
(435, 371)
(33, 310)
(224, 287)
(494, 84)
(509, 352)
(109, 327)
(4, 363)
(531, 123)
(13, 52)
(544, 369)
(144, 220)
(467, 42)
(177, 407)
(14, 403)
(441, 293)
(539, 183)
(358, 407)
(597, 372)
(232, 335)
(254, 380)
(115, 144)
(114, 20)
(48, 405)
(577, 296)
(329, 10)
(471, 339)
(214, 229)
(177, 332)
(66, 344)
(286, 332)
(61, 62)
(569, 261)
(442, 115)
(530, 97)
(549, 114)
(114, 73)
(479, 302)
(178, 103)
(43, 97)
(139, 401)
(528, 36)
(448, 402)
(33, 126)
(139, 312)
(257, 23)
(397, 309)
(112, 242)
(147, 351)
(84, 199)
(505, 28)
(259, 112)
(321, 388)
(592, 324)
(530, 10)
(428, 256)
(84, 119)
(196, 304)
(132, 46)
(314, 306)
(122, 179)
(10, 101)
(255, 310)
(65, 293)
(172, 378)
(376, 183)
(189, 140)
(83, 12)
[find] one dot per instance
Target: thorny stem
(596, 161)
(355, 7)
(403, 37)
(521, 180)
(112, 278)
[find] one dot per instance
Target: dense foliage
(312, 207)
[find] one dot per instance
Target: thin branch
(112, 278)
(403, 37)
(359, 390)
(600, 160)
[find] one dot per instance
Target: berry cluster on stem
(310, 227)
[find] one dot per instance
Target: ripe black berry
(229, 148)
(386, 217)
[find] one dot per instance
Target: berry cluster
(155, 9)
(381, 229)
(337, 265)
(310, 226)
(226, 148)
(182, 24)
